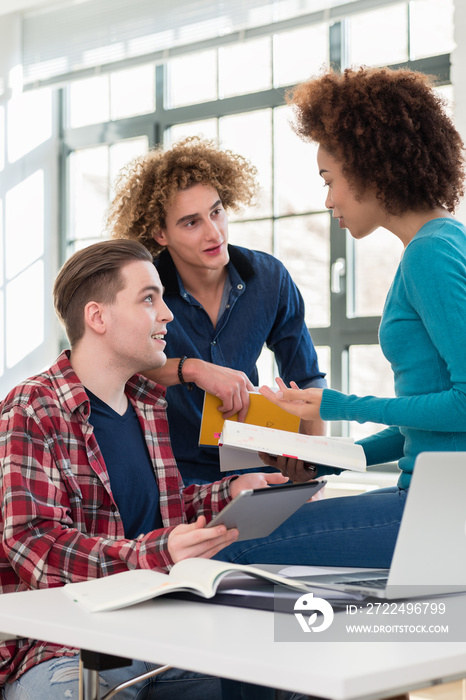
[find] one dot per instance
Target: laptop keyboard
(370, 582)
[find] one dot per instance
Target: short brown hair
(148, 185)
(92, 274)
(389, 130)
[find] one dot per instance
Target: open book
(261, 411)
(239, 439)
(199, 576)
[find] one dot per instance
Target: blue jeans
(349, 531)
(58, 679)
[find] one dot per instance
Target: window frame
(345, 328)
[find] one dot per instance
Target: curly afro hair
(149, 184)
(389, 130)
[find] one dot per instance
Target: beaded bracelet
(188, 385)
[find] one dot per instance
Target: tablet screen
(258, 512)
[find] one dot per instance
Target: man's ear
(93, 317)
(159, 237)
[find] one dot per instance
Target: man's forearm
(168, 374)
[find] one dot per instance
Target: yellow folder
(261, 412)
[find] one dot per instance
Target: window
(91, 174)
(234, 91)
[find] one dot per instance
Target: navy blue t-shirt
(129, 466)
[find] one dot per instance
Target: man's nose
(212, 230)
(163, 313)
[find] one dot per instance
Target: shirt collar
(169, 277)
(71, 393)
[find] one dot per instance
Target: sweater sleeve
(385, 446)
(434, 278)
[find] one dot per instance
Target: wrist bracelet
(310, 468)
(188, 385)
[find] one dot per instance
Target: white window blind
(72, 39)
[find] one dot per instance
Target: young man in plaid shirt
(89, 485)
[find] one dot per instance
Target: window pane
(446, 92)
(379, 37)
(266, 367)
(206, 128)
(298, 185)
(29, 122)
(76, 245)
(89, 196)
(369, 375)
(250, 135)
(304, 244)
(192, 79)
(89, 101)
(284, 9)
(323, 354)
(299, 54)
(24, 224)
(122, 153)
(252, 234)
(245, 67)
(132, 92)
(431, 27)
(25, 333)
(376, 259)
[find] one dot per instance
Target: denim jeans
(350, 531)
(58, 679)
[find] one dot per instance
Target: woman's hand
(304, 403)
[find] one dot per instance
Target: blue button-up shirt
(264, 306)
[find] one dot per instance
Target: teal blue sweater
(423, 336)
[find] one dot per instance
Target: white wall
(29, 244)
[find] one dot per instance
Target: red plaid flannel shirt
(59, 521)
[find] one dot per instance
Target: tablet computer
(258, 512)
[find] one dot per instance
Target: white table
(234, 643)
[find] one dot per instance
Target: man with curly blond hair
(227, 301)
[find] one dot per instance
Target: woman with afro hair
(389, 157)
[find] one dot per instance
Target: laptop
(430, 551)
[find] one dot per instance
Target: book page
(316, 449)
(118, 590)
(130, 587)
(195, 575)
(209, 572)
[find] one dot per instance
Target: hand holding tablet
(258, 512)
